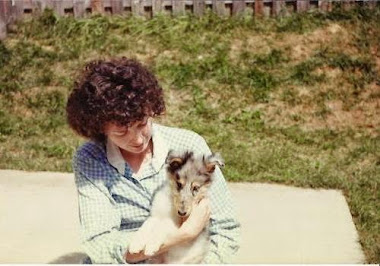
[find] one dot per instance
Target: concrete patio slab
(283, 224)
(280, 224)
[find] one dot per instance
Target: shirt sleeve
(224, 228)
(101, 237)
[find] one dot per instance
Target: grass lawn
(292, 100)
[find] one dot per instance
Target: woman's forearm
(180, 237)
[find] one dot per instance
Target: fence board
(238, 7)
(63, 7)
(325, 5)
(97, 6)
(259, 7)
(136, 6)
(107, 7)
(146, 8)
(178, 7)
(79, 8)
(199, 7)
(3, 29)
(347, 4)
(58, 8)
(5, 17)
(127, 6)
(17, 10)
(372, 3)
(218, 7)
(68, 8)
(156, 6)
(302, 5)
(47, 4)
(6, 10)
(278, 7)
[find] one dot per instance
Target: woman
(119, 169)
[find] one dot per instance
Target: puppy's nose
(181, 213)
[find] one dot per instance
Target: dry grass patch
(303, 46)
(255, 43)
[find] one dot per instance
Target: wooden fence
(12, 10)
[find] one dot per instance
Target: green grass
(292, 100)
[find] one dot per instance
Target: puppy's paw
(137, 244)
(152, 247)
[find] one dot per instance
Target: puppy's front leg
(141, 236)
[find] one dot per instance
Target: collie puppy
(189, 178)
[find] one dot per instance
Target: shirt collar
(114, 157)
(160, 151)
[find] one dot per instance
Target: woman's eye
(120, 133)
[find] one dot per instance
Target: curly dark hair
(119, 90)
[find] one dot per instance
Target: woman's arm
(189, 230)
(100, 219)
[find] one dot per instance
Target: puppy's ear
(211, 161)
(176, 160)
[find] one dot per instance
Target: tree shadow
(70, 258)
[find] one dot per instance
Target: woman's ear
(211, 161)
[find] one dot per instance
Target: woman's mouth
(138, 147)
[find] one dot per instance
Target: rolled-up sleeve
(224, 228)
(101, 237)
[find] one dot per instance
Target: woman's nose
(138, 140)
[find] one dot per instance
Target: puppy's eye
(195, 190)
(179, 186)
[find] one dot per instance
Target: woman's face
(133, 139)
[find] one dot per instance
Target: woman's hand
(197, 220)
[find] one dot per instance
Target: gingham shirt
(113, 203)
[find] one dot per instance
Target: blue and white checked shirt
(113, 203)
